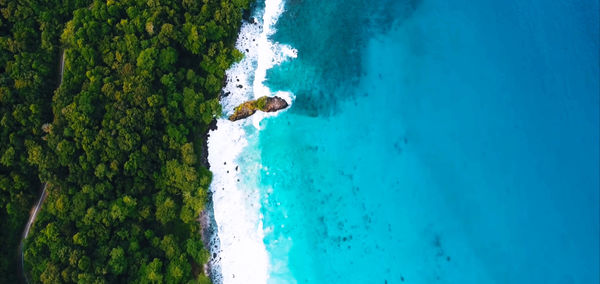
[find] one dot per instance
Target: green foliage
(29, 57)
(260, 103)
(117, 262)
(116, 141)
(145, 60)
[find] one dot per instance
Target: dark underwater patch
(331, 57)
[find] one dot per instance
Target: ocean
(427, 141)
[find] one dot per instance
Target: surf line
(241, 255)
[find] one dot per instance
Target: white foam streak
(242, 256)
(275, 53)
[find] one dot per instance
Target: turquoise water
(432, 142)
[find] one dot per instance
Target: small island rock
(266, 104)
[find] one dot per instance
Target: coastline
(208, 225)
(210, 238)
(235, 237)
(208, 222)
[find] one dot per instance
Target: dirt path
(32, 216)
(34, 212)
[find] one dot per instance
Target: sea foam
(241, 256)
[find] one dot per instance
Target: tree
(167, 59)
(165, 209)
(146, 58)
(117, 262)
(152, 272)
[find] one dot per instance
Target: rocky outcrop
(266, 104)
(274, 104)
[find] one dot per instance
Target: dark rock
(204, 138)
(247, 15)
(224, 82)
(274, 104)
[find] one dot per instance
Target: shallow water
(427, 142)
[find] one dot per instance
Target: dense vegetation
(29, 56)
(121, 154)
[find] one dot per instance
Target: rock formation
(266, 104)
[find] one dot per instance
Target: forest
(118, 142)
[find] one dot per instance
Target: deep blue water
(434, 141)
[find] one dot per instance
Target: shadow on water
(331, 57)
